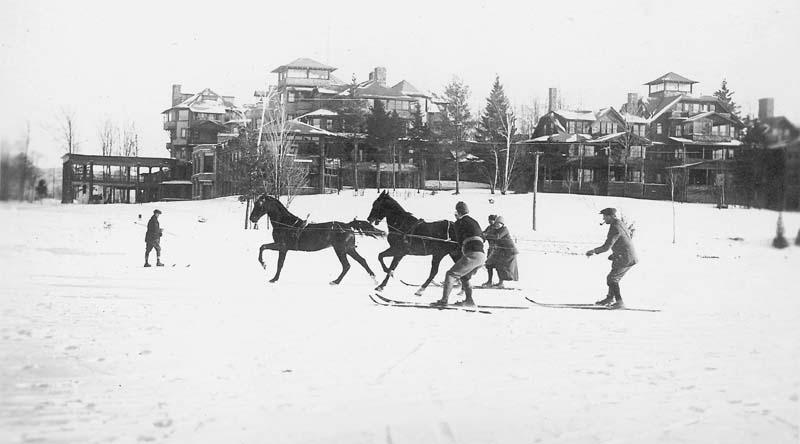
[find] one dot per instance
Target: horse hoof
(374, 279)
(333, 283)
(272, 281)
(379, 288)
(419, 292)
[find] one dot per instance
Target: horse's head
(262, 205)
(380, 208)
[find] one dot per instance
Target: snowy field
(96, 348)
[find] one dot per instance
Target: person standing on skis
(468, 235)
(623, 256)
(152, 239)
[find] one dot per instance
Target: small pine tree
(726, 96)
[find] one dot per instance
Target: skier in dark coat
(623, 256)
(502, 255)
(468, 235)
(487, 235)
(152, 239)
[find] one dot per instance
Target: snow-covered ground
(95, 348)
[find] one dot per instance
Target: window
(695, 108)
(317, 74)
(208, 163)
(636, 176)
(298, 73)
(637, 152)
(571, 127)
(659, 128)
(291, 96)
(712, 107)
(317, 122)
(183, 114)
(588, 150)
(586, 175)
(678, 131)
(183, 133)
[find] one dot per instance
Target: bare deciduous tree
(275, 150)
(130, 140)
(108, 134)
(66, 132)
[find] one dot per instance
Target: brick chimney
(552, 99)
(766, 108)
(633, 102)
(378, 75)
(176, 94)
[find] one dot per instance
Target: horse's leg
(385, 253)
(272, 246)
(281, 258)
(341, 253)
(351, 251)
(395, 260)
(437, 258)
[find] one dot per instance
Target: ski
(477, 287)
(389, 303)
(483, 307)
(589, 306)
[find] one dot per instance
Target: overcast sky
(103, 58)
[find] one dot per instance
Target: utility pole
(535, 185)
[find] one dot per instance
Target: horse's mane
(284, 215)
(399, 208)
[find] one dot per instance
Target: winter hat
(156, 211)
(499, 220)
(609, 212)
(461, 208)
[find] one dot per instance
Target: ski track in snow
(95, 348)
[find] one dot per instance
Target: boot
(608, 300)
(616, 304)
(159, 264)
(146, 264)
(467, 302)
(447, 287)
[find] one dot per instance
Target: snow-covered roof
(405, 88)
(322, 112)
(733, 142)
(670, 77)
(303, 62)
(608, 137)
(323, 90)
(206, 101)
(588, 116)
(664, 105)
(632, 118)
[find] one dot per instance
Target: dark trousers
(614, 276)
(150, 246)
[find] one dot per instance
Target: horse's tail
(365, 228)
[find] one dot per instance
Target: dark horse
(409, 235)
(289, 232)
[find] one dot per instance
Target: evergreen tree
(457, 121)
(383, 130)
(420, 137)
(726, 96)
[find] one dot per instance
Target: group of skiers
(502, 255)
